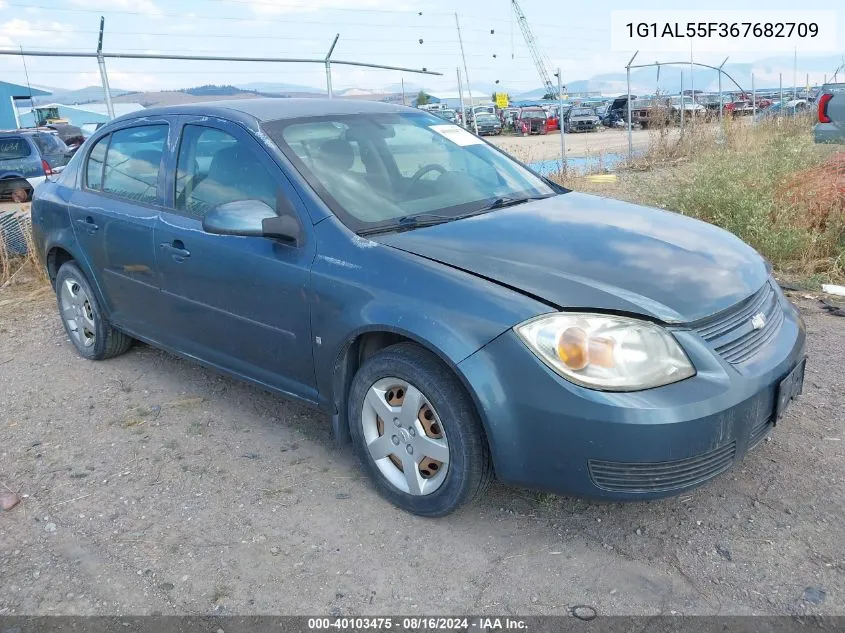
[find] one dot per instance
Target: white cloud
(147, 7)
(17, 32)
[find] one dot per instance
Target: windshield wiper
(507, 201)
(408, 222)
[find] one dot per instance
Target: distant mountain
(280, 88)
(213, 90)
(88, 94)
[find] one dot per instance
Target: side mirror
(251, 218)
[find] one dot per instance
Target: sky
(573, 35)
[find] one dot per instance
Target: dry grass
(768, 183)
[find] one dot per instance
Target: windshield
(533, 114)
(376, 168)
(582, 112)
(486, 117)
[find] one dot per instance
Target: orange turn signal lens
(572, 348)
(576, 350)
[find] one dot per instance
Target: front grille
(731, 332)
(661, 476)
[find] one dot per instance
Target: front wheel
(89, 331)
(417, 432)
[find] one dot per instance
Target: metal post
(461, 97)
(628, 107)
(683, 104)
(560, 122)
(329, 68)
(466, 72)
(402, 79)
(753, 100)
(721, 102)
(795, 75)
(780, 84)
(104, 77)
(691, 75)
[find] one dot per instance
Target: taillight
(823, 101)
(48, 171)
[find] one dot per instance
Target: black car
(488, 124)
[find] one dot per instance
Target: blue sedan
(458, 316)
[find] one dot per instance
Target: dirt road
(156, 486)
(529, 149)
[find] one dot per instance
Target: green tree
(423, 98)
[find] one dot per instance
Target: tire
(469, 468)
(86, 325)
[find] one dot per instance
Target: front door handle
(175, 248)
(88, 224)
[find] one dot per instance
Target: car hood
(576, 251)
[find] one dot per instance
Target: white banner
(726, 31)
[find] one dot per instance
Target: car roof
(27, 132)
(272, 109)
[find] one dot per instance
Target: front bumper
(547, 433)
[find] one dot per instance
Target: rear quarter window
(13, 148)
(49, 144)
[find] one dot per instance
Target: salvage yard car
(457, 315)
(488, 124)
(581, 120)
(831, 114)
(27, 157)
(532, 120)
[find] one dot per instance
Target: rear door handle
(175, 248)
(88, 224)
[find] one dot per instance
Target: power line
(155, 14)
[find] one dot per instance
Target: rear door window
(14, 147)
(133, 162)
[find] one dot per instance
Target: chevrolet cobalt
(458, 316)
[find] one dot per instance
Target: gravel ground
(546, 147)
(151, 485)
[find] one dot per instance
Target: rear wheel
(85, 324)
(417, 432)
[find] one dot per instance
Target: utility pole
(101, 61)
(628, 107)
(461, 97)
(402, 79)
(795, 75)
(329, 68)
(466, 73)
(560, 122)
(780, 84)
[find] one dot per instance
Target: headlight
(605, 352)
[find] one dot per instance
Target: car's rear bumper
(548, 433)
(829, 133)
